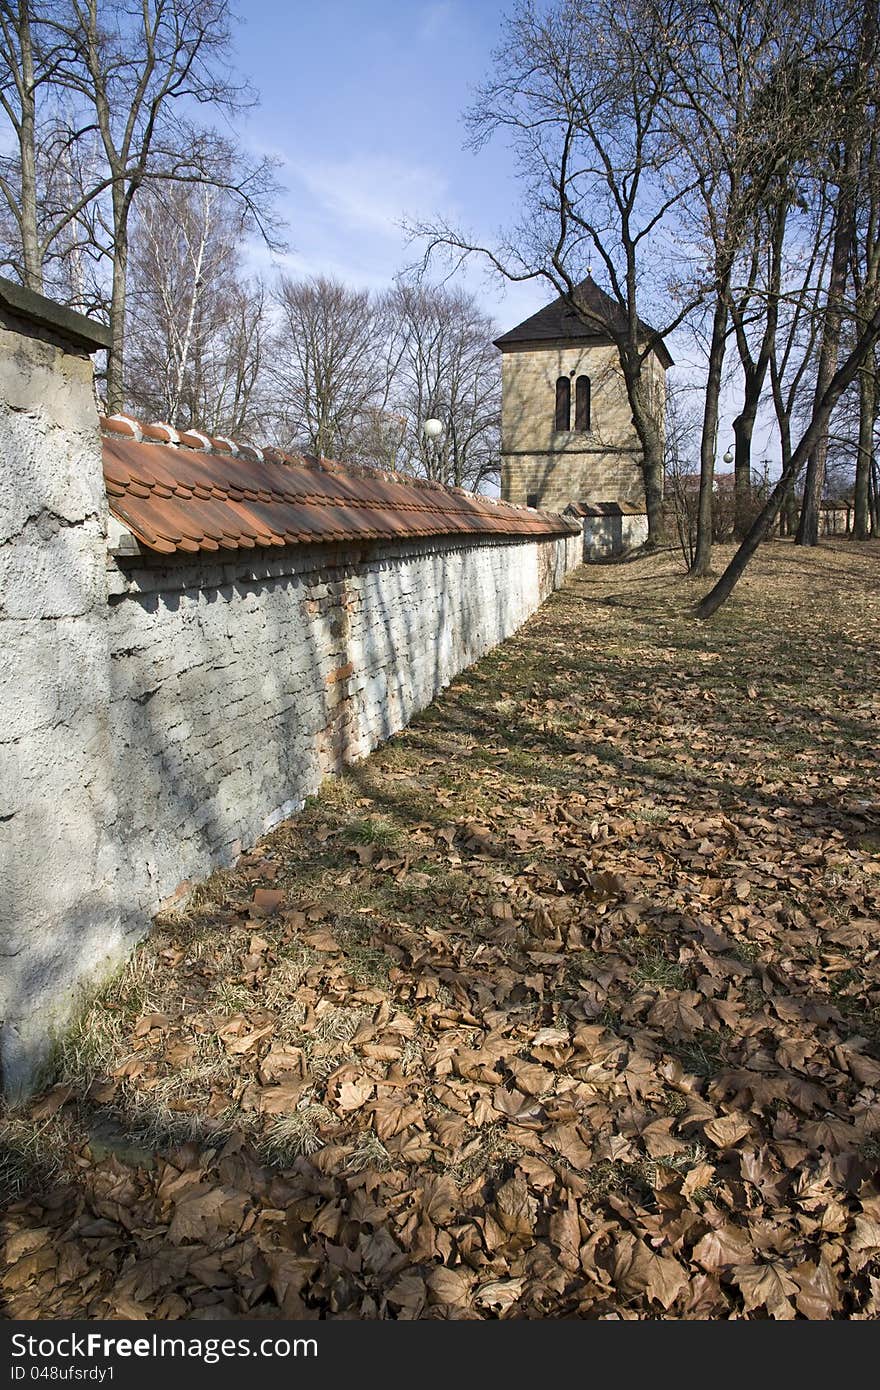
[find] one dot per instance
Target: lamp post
(432, 429)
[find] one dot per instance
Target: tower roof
(559, 321)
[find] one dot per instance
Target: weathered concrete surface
(60, 921)
(608, 536)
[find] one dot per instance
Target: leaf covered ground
(565, 1003)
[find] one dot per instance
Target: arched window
(563, 403)
(582, 403)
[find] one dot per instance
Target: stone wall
(602, 464)
(59, 909)
(236, 688)
(156, 717)
(607, 537)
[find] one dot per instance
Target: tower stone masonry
(576, 442)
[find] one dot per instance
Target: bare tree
(749, 101)
(681, 448)
(138, 70)
(32, 58)
(721, 62)
(793, 292)
(22, 69)
(833, 376)
(858, 65)
(197, 329)
(866, 284)
(847, 372)
(445, 366)
(329, 364)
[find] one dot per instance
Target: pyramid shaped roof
(558, 320)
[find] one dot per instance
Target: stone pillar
(60, 922)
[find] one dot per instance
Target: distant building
(566, 426)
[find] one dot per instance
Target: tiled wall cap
(421, 506)
(121, 424)
(194, 439)
(222, 444)
(159, 431)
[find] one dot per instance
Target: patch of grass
(369, 1152)
(338, 1025)
(702, 1055)
(230, 997)
(745, 950)
(205, 898)
(33, 1156)
(292, 1136)
(366, 964)
(282, 984)
(609, 1176)
(675, 1101)
(156, 1124)
(96, 1039)
(655, 969)
(372, 830)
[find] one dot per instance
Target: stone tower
(566, 425)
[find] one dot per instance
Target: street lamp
(432, 428)
(728, 457)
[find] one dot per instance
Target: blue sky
(362, 103)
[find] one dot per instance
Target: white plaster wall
(155, 720)
(236, 689)
(59, 917)
(607, 536)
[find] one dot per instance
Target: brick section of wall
(156, 717)
(559, 479)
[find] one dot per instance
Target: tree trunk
(867, 398)
(814, 479)
(32, 263)
(702, 565)
(846, 373)
(651, 439)
(789, 510)
(116, 355)
(743, 428)
(652, 469)
(844, 233)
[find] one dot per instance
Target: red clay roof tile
(215, 494)
(160, 432)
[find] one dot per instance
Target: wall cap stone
(73, 328)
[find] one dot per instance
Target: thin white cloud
(374, 193)
(436, 20)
